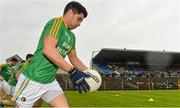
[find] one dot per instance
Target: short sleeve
(53, 28)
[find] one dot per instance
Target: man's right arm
(50, 51)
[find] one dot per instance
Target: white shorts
(5, 86)
(27, 92)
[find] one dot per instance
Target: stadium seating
(102, 68)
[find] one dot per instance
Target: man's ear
(70, 12)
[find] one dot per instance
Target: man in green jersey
(6, 70)
(56, 41)
(10, 89)
(7, 73)
(24, 64)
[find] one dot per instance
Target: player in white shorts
(56, 42)
(35, 90)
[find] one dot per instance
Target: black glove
(78, 80)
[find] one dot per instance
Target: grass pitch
(133, 98)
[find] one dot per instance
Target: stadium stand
(137, 69)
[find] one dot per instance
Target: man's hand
(78, 80)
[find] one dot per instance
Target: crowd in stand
(137, 70)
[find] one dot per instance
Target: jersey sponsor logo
(69, 39)
(61, 51)
(10, 72)
(9, 69)
(10, 75)
(66, 33)
(66, 45)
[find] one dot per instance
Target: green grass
(162, 98)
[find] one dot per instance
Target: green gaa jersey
(13, 80)
(7, 72)
(41, 69)
(21, 67)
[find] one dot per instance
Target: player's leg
(1, 104)
(8, 101)
(5, 89)
(55, 96)
(59, 101)
(38, 103)
(4, 93)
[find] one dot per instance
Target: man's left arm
(75, 61)
(78, 75)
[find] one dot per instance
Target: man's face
(76, 20)
(14, 63)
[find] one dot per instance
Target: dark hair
(14, 60)
(29, 55)
(76, 7)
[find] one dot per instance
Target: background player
(7, 72)
(24, 64)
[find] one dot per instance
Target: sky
(130, 24)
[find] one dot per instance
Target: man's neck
(66, 21)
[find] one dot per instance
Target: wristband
(72, 70)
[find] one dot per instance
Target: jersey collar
(64, 22)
